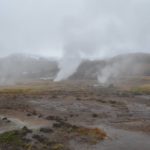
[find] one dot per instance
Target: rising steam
(76, 29)
(104, 28)
(72, 62)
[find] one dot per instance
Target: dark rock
(28, 114)
(46, 130)
(4, 118)
(94, 115)
(39, 138)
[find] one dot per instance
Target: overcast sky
(89, 28)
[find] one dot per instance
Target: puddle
(125, 140)
(17, 123)
(118, 140)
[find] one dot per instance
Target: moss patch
(11, 137)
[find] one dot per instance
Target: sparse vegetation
(144, 89)
(11, 138)
(18, 139)
(58, 147)
(15, 139)
(66, 112)
(92, 134)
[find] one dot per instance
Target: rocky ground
(72, 116)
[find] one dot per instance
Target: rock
(4, 118)
(46, 130)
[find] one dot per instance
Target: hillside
(21, 67)
(137, 64)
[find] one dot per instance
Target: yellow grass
(143, 89)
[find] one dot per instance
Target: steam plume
(104, 28)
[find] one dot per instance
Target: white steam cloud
(72, 62)
(76, 29)
(118, 68)
(104, 28)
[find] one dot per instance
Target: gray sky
(84, 28)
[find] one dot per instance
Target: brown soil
(84, 114)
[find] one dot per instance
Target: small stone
(46, 130)
(94, 115)
(28, 114)
(4, 118)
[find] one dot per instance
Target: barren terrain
(73, 115)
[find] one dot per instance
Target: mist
(104, 29)
(119, 67)
(75, 30)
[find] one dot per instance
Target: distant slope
(21, 67)
(127, 64)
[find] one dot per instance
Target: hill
(21, 67)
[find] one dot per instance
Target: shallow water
(118, 140)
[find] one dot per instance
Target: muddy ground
(73, 116)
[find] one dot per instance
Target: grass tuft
(12, 138)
